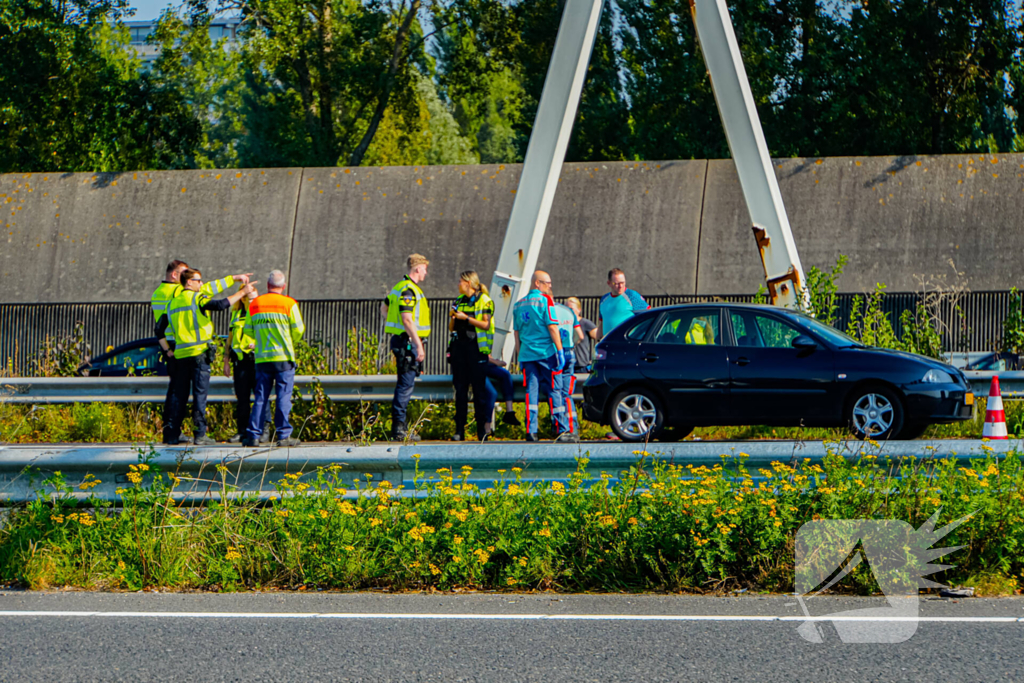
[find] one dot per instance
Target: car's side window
(745, 329)
(775, 333)
(695, 328)
(639, 331)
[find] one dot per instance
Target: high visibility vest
(696, 335)
(193, 327)
(276, 326)
(484, 338)
(241, 343)
(476, 308)
(163, 294)
(420, 311)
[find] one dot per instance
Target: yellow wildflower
(232, 554)
(434, 570)
(510, 581)
(350, 548)
(325, 514)
(374, 521)
(457, 540)
(134, 477)
(121, 565)
(544, 532)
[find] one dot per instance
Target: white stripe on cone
(995, 418)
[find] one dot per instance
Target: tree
(208, 76)
(72, 99)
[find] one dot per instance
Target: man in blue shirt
(539, 350)
(570, 332)
(619, 305)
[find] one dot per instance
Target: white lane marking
(494, 617)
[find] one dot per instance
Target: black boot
(399, 432)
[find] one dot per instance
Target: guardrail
(343, 388)
(254, 471)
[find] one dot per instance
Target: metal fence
(353, 329)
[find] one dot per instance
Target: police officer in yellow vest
(408, 322)
(240, 366)
(471, 328)
(167, 290)
(188, 318)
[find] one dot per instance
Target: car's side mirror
(803, 342)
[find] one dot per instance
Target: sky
(149, 9)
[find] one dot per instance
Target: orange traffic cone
(995, 418)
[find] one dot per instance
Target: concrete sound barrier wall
(82, 237)
(677, 227)
(900, 220)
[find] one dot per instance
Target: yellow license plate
(969, 399)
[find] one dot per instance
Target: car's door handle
(650, 357)
(742, 360)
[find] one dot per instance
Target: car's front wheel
(875, 413)
(636, 415)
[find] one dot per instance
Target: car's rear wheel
(875, 413)
(636, 415)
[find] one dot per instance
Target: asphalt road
(484, 637)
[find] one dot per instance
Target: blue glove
(560, 355)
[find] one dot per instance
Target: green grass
(320, 419)
(660, 528)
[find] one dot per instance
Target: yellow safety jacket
(276, 325)
(420, 312)
(696, 335)
(477, 308)
(192, 326)
(242, 343)
(163, 294)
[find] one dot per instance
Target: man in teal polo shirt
(540, 354)
(619, 305)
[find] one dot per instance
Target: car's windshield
(831, 334)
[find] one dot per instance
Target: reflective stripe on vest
(193, 327)
(420, 311)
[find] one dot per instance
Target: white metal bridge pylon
(549, 139)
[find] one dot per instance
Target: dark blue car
(140, 357)
(670, 369)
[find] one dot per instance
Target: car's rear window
(638, 332)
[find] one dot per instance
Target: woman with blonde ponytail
(471, 326)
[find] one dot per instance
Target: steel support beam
(543, 164)
(783, 271)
